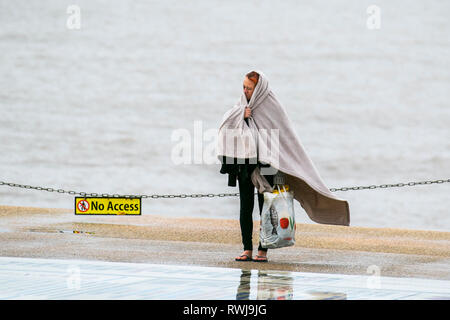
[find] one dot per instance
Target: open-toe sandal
(260, 259)
(244, 257)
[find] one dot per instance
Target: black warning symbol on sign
(83, 205)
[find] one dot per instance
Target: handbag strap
(279, 191)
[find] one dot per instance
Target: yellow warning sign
(107, 206)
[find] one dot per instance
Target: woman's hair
(253, 77)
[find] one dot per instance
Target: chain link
(208, 195)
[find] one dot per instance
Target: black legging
(247, 200)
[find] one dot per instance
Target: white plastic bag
(278, 219)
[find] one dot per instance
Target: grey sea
(95, 95)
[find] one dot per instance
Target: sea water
(93, 92)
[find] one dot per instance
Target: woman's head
(250, 82)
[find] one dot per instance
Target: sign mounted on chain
(107, 206)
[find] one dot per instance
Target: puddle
(61, 231)
(76, 231)
(120, 280)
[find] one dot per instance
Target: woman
(242, 138)
(242, 172)
(247, 189)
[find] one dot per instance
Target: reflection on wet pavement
(278, 285)
(27, 278)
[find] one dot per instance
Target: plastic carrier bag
(278, 219)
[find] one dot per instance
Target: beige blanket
(270, 138)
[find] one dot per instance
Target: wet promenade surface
(52, 254)
(25, 278)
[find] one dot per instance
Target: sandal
(245, 258)
(260, 259)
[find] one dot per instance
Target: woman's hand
(247, 113)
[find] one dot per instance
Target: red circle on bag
(284, 223)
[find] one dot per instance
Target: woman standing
(243, 147)
(247, 189)
(242, 172)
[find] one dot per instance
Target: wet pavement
(36, 278)
(52, 254)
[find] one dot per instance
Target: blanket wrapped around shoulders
(268, 137)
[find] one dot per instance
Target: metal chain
(93, 194)
(382, 186)
(208, 195)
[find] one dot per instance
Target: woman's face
(249, 86)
